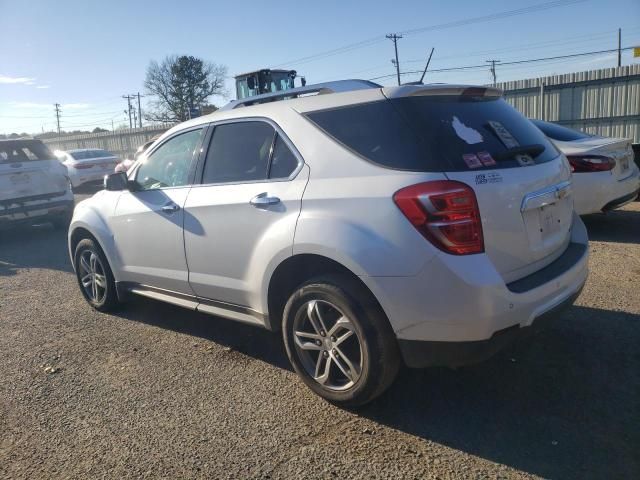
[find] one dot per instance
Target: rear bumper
(464, 300)
(36, 208)
(598, 192)
(421, 354)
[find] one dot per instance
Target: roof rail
(318, 88)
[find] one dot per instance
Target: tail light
(82, 166)
(590, 163)
(446, 213)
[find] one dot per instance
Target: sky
(85, 55)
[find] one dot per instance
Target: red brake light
(446, 213)
(590, 163)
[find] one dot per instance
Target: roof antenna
(426, 66)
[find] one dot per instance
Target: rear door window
(283, 161)
(438, 133)
(24, 151)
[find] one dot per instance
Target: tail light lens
(590, 163)
(84, 166)
(446, 213)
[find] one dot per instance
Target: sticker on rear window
(503, 134)
(486, 159)
(472, 160)
(468, 134)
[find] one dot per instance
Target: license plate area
(624, 165)
(547, 217)
(20, 179)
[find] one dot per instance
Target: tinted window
(24, 151)
(435, 133)
(283, 161)
(558, 132)
(169, 165)
(239, 152)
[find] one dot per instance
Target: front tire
(94, 276)
(339, 340)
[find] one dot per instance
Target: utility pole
(619, 47)
(394, 38)
(493, 69)
(58, 112)
(139, 110)
(128, 110)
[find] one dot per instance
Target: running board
(200, 304)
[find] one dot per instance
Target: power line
(442, 26)
(517, 62)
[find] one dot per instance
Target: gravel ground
(161, 392)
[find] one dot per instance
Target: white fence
(122, 142)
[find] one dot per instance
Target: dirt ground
(160, 392)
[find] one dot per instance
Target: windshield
(438, 133)
(558, 132)
(19, 151)
(280, 81)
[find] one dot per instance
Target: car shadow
(622, 226)
(247, 339)
(39, 246)
(561, 404)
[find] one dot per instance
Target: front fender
(90, 217)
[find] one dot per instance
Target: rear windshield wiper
(533, 150)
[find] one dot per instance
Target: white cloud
(42, 86)
(6, 79)
(76, 106)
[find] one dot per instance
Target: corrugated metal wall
(604, 102)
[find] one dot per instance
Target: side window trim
(195, 159)
(198, 181)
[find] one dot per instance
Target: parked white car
(605, 176)
(424, 224)
(88, 165)
(34, 186)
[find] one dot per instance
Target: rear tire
(94, 276)
(339, 340)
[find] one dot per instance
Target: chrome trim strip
(560, 190)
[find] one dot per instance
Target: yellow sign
(636, 51)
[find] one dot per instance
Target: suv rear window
(558, 132)
(19, 151)
(437, 133)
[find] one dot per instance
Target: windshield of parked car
(438, 133)
(558, 132)
(19, 151)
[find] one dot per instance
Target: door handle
(263, 200)
(170, 208)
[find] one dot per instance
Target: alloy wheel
(92, 276)
(328, 345)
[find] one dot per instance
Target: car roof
(324, 96)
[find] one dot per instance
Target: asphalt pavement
(156, 391)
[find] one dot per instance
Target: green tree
(181, 84)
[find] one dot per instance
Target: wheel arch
(295, 270)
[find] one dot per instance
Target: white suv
(34, 186)
(428, 225)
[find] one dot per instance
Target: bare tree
(181, 84)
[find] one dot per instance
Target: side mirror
(116, 182)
